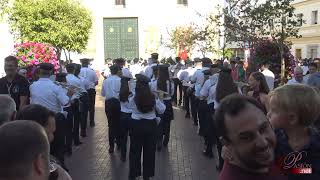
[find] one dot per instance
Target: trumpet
(78, 91)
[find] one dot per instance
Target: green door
(121, 38)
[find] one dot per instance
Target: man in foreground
(243, 128)
(24, 152)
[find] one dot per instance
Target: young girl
(143, 129)
(125, 116)
(292, 111)
(163, 86)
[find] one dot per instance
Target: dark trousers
(84, 112)
(177, 83)
(112, 109)
(186, 99)
(125, 118)
(58, 144)
(142, 138)
(209, 128)
(92, 102)
(165, 123)
(203, 110)
(69, 128)
(194, 108)
(76, 122)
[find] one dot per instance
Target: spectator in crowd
(7, 109)
(244, 129)
(293, 111)
(24, 152)
(298, 76)
(241, 72)
(259, 88)
(234, 70)
(314, 80)
(313, 68)
(23, 72)
(13, 83)
(46, 119)
(269, 75)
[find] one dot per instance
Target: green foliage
(4, 5)
(63, 23)
(182, 38)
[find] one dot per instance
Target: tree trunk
(283, 65)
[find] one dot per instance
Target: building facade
(136, 28)
(308, 46)
(130, 28)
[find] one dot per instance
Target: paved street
(182, 160)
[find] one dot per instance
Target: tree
(247, 22)
(65, 24)
(183, 38)
(278, 21)
(3, 7)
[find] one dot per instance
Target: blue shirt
(310, 154)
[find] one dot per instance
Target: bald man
(297, 77)
(7, 109)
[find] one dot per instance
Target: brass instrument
(77, 91)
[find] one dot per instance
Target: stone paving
(182, 160)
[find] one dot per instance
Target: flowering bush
(33, 53)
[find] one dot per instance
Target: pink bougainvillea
(34, 53)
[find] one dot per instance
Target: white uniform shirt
(84, 83)
(198, 78)
(154, 89)
(269, 78)
(205, 90)
(90, 75)
(185, 76)
(148, 71)
(136, 69)
(125, 107)
(126, 73)
(137, 115)
(46, 93)
(111, 87)
(73, 80)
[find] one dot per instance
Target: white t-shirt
(269, 75)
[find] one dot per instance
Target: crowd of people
(260, 130)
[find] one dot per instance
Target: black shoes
(83, 134)
(92, 124)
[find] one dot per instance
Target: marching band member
(110, 90)
(84, 101)
(143, 131)
(207, 94)
(125, 116)
(74, 81)
(91, 76)
(184, 76)
(153, 61)
(164, 88)
(48, 94)
(61, 78)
